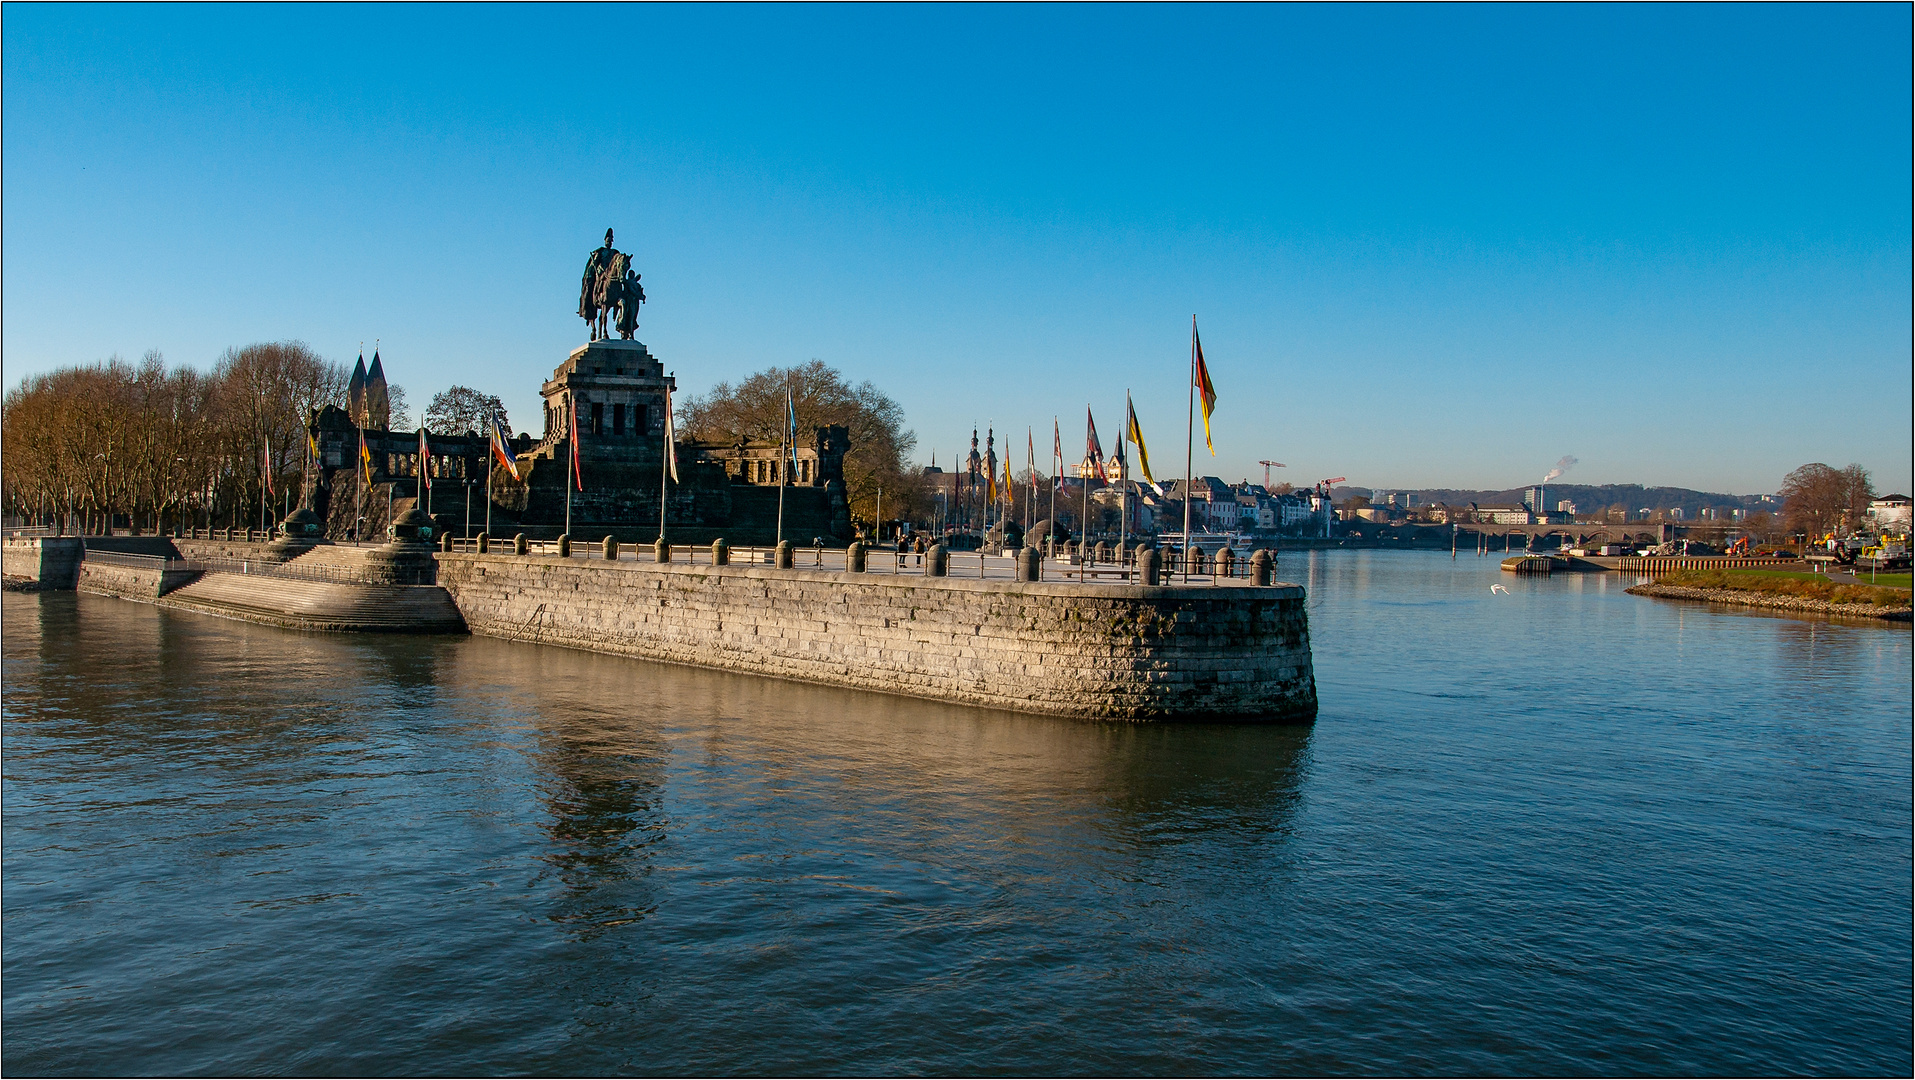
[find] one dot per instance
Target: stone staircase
(320, 605)
(336, 555)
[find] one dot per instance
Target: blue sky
(1427, 246)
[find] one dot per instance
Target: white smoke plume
(1563, 466)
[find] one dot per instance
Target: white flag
(671, 438)
(791, 434)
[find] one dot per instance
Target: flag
(425, 461)
(266, 465)
(671, 438)
(1010, 486)
(1136, 435)
(791, 436)
(1205, 392)
(1093, 447)
(1057, 443)
(365, 456)
(1030, 458)
(577, 477)
(990, 484)
(312, 444)
(502, 449)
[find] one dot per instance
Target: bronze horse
(616, 291)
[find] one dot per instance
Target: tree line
(158, 447)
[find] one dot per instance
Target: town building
(1890, 513)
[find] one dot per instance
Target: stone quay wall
(42, 562)
(1098, 651)
(143, 583)
(223, 549)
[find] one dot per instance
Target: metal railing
(324, 572)
(138, 562)
(975, 565)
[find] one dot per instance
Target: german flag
(1201, 374)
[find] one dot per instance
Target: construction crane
(1325, 484)
(1266, 471)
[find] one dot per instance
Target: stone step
(352, 558)
(321, 605)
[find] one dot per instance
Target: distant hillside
(1589, 498)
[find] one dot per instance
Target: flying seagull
(1498, 588)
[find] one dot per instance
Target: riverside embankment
(1104, 651)
(1782, 592)
(1091, 648)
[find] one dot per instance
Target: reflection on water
(1558, 830)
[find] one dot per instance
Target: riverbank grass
(1805, 586)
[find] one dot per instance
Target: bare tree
(113, 439)
(1817, 499)
(462, 408)
(754, 410)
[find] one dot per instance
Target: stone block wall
(1097, 651)
(223, 549)
(144, 583)
(49, 562)
(125, 582)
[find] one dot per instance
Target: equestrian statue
(610, 291)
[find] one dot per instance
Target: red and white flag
(425, 461)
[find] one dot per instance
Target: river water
(1563, 830)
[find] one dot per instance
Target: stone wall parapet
(1103, 651)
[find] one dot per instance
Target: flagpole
(784, 454)
(1190, 442)
(665, 461)
(1123, 481)
(573, 454)
(359, 473)
(1083, 542)
(1057, 463)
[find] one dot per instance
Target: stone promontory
(1098, 651)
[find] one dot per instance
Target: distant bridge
(1583, 533)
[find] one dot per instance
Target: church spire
(378, 400)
